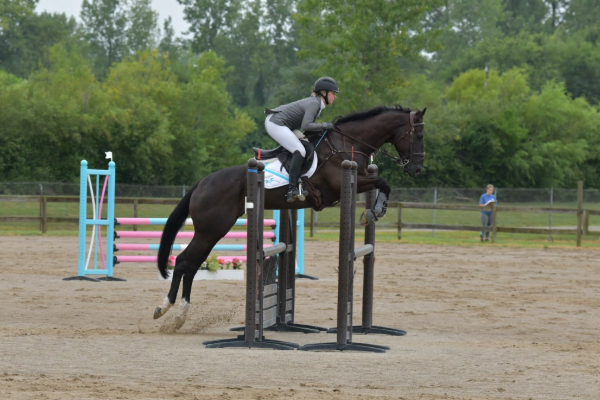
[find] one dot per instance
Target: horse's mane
(373, 112)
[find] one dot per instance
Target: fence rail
(44, 219)
(581, 213)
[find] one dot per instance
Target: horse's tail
(174, 223)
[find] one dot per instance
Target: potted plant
(214, 268)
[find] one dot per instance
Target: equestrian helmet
(326, 83)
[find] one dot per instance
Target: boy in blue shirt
(486, 216)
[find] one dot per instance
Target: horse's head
(409, 142)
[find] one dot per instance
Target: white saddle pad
(275, 176)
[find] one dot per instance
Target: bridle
(411, 155)
(403, 162)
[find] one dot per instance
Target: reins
(377, 151)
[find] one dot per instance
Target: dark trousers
(486, 220)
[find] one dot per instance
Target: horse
(218, 200)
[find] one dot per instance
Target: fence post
(135, 212)
(312, 222)
(550, 219)
(494, 224)
(579, 211)
(41, 215)
(434, 203)
(399, 221)
(44, 214)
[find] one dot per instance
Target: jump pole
(347, 256)
(261, 300)
(367, 326)
(299, 271)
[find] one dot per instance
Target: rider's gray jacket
(300, 114)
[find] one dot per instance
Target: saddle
(285, 157)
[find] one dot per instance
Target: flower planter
(219, 275)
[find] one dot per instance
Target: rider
(300, 114)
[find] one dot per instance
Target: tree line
(512, 87)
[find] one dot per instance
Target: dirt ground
(483, 323)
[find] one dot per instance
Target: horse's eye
(420, 135)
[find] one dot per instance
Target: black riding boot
(293, 193)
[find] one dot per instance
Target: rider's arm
(310, 114)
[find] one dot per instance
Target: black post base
(288, 328)
(302, 276)
(381, 330)
(240, 341)
(373, 348)
(297, 328)
(81, 278)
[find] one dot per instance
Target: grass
(386, 229)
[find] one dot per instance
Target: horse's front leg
(366, 183)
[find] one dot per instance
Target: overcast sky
(165, 8)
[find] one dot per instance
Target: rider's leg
(285, 137)
(293, 192)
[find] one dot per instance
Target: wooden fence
(582, 218)
(581, 213)
(44, 219)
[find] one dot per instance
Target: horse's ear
(423, 112)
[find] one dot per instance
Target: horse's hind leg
(196, 255)
(178, 272)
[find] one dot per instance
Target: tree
(360, 44)
(209, 19)
(466, 24)
(26, 37)
(117, 28)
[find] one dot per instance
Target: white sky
(165, 8)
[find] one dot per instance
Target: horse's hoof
(178, 322)
(158, 312)
(367, 218)
(162, 310)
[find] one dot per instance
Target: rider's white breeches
(284, 136)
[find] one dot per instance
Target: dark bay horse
(217, 201)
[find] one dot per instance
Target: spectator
(486, 216)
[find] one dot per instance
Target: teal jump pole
(299, 242)
(300, 247)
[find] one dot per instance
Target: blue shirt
(484, 199)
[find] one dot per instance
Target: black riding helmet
(328, 84)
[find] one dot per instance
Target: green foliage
(25, 36)
(173, 110)
(160, 131)
(115, 29)
(360, 43)
(211, 263)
